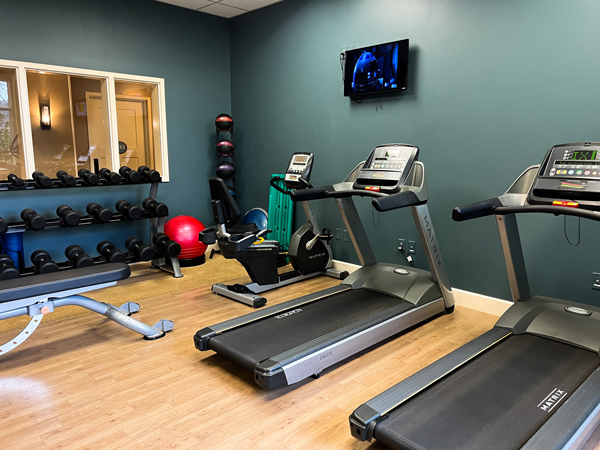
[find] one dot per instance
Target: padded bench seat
(64, 280)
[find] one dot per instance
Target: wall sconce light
(45, 117)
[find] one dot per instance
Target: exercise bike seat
(51, 283)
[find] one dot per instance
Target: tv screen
(374, 69)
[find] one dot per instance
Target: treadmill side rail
(573, 422)
(312, 358)
(361, 419)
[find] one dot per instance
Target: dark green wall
(141, 37)
(492, 85)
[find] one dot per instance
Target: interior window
(69, 122)
(11, 143)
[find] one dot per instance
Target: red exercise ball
(185, 231)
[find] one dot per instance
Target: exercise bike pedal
(130, 308)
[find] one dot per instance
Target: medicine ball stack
(225, 154)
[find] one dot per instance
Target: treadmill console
(569, 176)
(299, 167)
(386, 168)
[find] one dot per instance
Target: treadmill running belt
(495, 402)
(256, 342)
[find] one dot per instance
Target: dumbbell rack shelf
(98, 260)
(57, 184)
(156, 224)
(21, 227)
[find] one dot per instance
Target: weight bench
(37, 295)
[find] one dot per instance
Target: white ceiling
(223, 8)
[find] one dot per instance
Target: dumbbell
(132, 176)
(112, 254)
(69, 217)
(32, 219)
(141, 251)
(3, 225)
(66, 179)
(149, 174)
(41, 180)
(156, 208)
(101, 214)
(15, 181)
(128, 210)
(78, 257)
(42, 262)
(89, 178)
(111, 177)
(8, 271)
(168, 247)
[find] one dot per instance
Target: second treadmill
(533, 381)
(286, 343)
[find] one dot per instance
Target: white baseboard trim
(479, 302)
(463, 299)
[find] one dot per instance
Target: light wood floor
(87, 383)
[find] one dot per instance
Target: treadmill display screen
(575, 163)
(390, 158)
(579, 155)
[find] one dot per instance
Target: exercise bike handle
(287, 192)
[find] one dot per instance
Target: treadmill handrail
(494, 206)
(382, 202)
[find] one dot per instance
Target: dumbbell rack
(156, 223)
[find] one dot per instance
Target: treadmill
(533, 381)
(286, 343)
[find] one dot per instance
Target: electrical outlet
(401, 244)
(338, 234)
(595, 280)
(346, 236)
(412, 247)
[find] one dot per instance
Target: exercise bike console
(298, 171)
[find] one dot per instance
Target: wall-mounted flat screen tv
(375, 69)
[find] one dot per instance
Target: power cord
(578, 231)
(402, 250)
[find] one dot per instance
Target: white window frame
(22, 67)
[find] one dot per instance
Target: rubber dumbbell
(111, 177)
(141, 251)
(3, 225)
(89, 178)
(42, 262)
(132, 176)
(101, 214)
(168, 247)
(156, 208)
(78, 257)
(41, 180)
(110, 252)
(149, 174)
(32, 219)
(8, 271)
(15, 181)
(66, 179)
(128, 210)
(69, 217)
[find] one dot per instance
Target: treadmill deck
(258, 341)
(495, 402)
